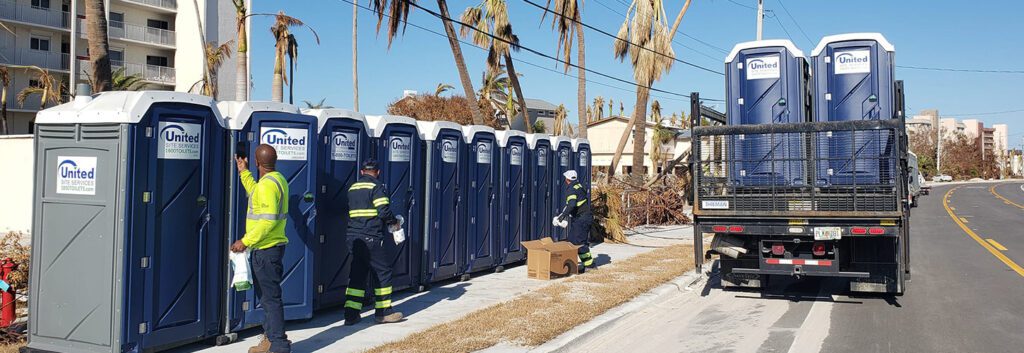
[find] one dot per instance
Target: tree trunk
(242, 68)
(277, 85)
(207, 75)
(3, 111)
(581, 93)
(355, 56)
(640, 131)
(514, 79)
(460, 63)
(291, 80)
(679, 19)
(99, 47)
(625, 137)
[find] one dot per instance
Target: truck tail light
(876, 231)
(736, 229)
(859, 230)
(719, 229)
(778, 249)
(819, 249)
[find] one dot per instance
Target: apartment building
(158, 40)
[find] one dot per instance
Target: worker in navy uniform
(370, 222)
(577, 209)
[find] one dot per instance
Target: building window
(156, 60)
(158, 24)
(40, 44)
(41, 4)
(116, 57)
(117, 20)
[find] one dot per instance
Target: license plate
(828, 233)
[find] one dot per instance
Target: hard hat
(370, 164)
(570, 175)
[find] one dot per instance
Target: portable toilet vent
(854, 81)
(127, 222)
(513, 222)
(292, 135)
(444, 208)
(539, 155)
(767, 83)
(561, 162)
(581, 162)
(343, 144)
(481, 202)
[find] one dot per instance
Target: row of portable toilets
(137, 199)
(848, 77)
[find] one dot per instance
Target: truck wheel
(913, 201)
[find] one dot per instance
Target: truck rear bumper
(800, 272)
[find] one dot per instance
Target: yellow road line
(1013, 265)
(963, 220)
(996, 244)
(1006, 200)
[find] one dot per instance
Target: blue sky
(943, 34)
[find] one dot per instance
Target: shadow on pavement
(796, 290)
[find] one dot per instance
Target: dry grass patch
(10, 348)
(541, 315)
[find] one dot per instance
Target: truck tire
(913, 201)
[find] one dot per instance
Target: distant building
(604, 138)
(538, 110)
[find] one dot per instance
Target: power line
(795, 22)
(960, 70)
(781, 25)
(414, 25)
(743, 5)
(674, 40)
(617, 38)
(985, 113)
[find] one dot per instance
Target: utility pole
(938, 148)
(760, 18)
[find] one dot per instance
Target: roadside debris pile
(621, 205)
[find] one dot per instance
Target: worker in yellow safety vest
(265, 220)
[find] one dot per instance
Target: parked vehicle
(914, 178)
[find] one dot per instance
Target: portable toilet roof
(117, 107)
(531, 139)
(846, 37)
(323, 115)
(237, 113)
(556, 140)
(429, 130)
(576, 142)
(764, 44)
(468, 132)
(376, 123)
(504, 135)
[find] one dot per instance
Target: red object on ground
(7, 302)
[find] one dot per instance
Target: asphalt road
(966, 295)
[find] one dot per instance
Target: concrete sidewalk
(446, 301)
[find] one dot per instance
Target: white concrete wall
(188, 63)
(17, 181)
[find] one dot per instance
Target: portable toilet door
(343, 144)
(767, 83)
(444, 233)
(581, 162)
(401, 171)
(481, 204)
(854, 81)
(513, 223)
(292, 135)
(561, 162)
(539, 148)
(126, 225)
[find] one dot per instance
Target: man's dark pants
(267, 270)
(369, 257)
(579, 234)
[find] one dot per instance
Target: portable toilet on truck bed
(514, 222)
(127, 250)
(343, 144)
(767, 83)
(481, 199)
(395, 141)
(561, 162)
(854, 81)
(443, 206)
(292, 135)
(581, 162)
(539, 185)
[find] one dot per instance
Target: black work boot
(352, 317)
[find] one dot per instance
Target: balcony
(44, 59)
(149, 73)
(11, 11)
(133, 32)
(171, 5)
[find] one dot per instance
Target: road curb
(603, 322)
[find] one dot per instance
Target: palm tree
(5, 82)
(647, 40)
(284, 45)
(48, 89)
(493, 88)
(242, 65)
(355, 55)
(539, 127)
(567, 23)
(442, 88)
(319, 105)
(215, 56)
(656, 111)
(121, 81)
(611, 106)
(99, 47)
(491, 17)
(598, 108)
(560, 115)
(398, 15)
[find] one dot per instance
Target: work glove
(555, 222)
(396, 230)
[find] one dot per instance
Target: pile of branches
(623, 204)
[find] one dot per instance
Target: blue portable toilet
(127, 252)
(561, 162)
(443, 206)
(581, 162)
(854, 81)
(343, 144)
(293, 135)
(396, 142)
(513, 222)
(482, 225)
(539, 185)
(767, 83)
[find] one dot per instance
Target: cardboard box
(547, 259)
